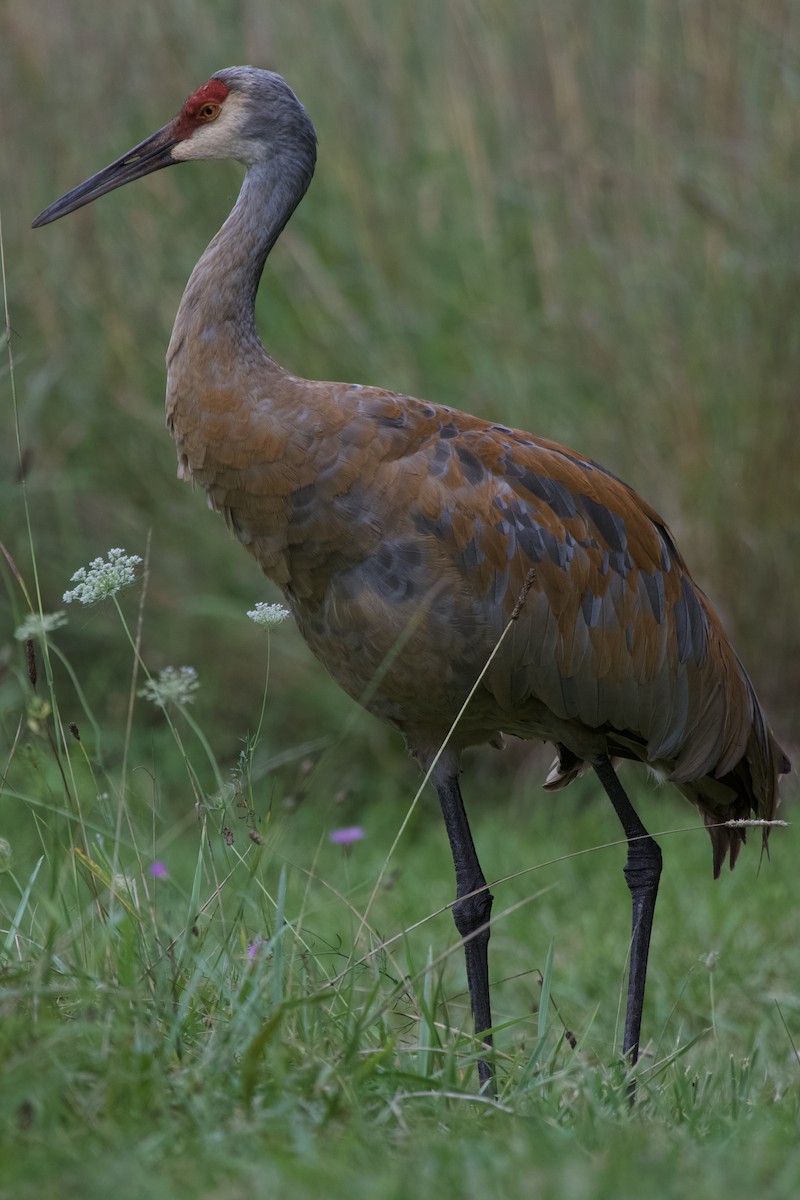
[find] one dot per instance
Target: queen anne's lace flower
(38, 624)
(268, 614)
(175, 685)
(102, 579)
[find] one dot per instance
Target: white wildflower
(39, 624)
(175, 685)
(102, 579)
(268, 615)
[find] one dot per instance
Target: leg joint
(472, 912)
(643, 868)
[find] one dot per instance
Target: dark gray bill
(150, 155)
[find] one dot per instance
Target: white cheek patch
(217, 139)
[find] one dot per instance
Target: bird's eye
(209, 111)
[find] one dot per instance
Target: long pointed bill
(150, 155)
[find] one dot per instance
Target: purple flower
(158, 870)
(348, 835)
(253, 948)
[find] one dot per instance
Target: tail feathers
(749, 791)
(726, 842)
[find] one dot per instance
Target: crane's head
(241, 112)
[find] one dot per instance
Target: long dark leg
(642, 872)
(471, 914)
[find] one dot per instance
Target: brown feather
(391, 522)
(404, 534)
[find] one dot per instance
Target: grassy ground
(579, 218)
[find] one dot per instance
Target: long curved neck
(219, 298)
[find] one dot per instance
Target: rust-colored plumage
(409, 539)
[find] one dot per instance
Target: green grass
(579, 218)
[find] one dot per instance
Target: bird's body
(412, 540)
(390, 521)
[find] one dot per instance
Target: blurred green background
(576, 217)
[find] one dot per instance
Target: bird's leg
(642, 872)
(471, 911)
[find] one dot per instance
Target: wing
(612, 634)
(408, 531)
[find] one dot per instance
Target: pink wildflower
(348, 835)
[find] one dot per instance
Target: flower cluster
(39, 625)
(268, 615)
(175, 685)
(102, 579)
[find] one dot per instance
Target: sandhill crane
(412, 542)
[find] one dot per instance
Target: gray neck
(221, 291)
